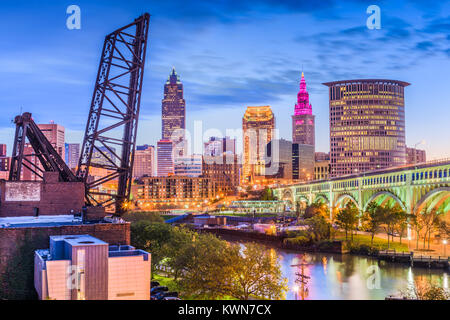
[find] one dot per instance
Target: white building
(81, 267)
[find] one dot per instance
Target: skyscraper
(174, 112)
(367, 125)
(279, 159)
(72, 154)
(303, 119)
(303, 136)
(55, 134)
(258, 125)
(165, 158)
(144, 161)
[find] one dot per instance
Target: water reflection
(327, 276)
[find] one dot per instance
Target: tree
(268, 195)
(393, 215)
(426, 290)
(315, 209)
(417, 225)
(373, 218)
(208, 271)
(319, 227)
(151, 237)
(176, 250)
(347, 218)
(430, 220)
(402, 223)
(257, 274)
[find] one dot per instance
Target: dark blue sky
(229, 54)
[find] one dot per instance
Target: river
(349, 277)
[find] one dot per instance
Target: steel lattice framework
(113, 115)
(49, 159)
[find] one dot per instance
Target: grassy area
(379, 243)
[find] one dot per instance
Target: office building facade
(144, 162)
(165, 158)
(258, 125)
(174, 113)
(72, 154)
(367, 125)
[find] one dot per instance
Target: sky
(229, 55)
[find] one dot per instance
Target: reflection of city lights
(445, 281)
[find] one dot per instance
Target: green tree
(151, 237)
(430, 220)
(176, 249)
(207, 273)
(392, 215)
(347, 218)
(373, 218)
(268, 195)
(257, 274)
(319, 227)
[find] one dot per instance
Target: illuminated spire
(303, 106)
(173, 77)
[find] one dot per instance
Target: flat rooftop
(79, 240)
(40, 221)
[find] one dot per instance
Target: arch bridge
(413, 187)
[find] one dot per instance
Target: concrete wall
(19, 198)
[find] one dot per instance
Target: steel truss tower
(113, 117)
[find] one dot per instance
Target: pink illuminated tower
(303, 119)
(303, 141)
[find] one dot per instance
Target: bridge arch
(340, 200)
(437, 196)
(387, 195)
(288, 196)
(323, 198)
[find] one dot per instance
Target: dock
(424, 261)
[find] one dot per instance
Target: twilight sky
(229, 54)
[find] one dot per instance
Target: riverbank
(361, 247)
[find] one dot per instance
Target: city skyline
(210, 86)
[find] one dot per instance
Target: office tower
(2, 150)
(414, 155)
(55, 134)
(189, 166)
(174, 113)
(258, 125)
(216, 146)
(144, 161)
(81, 267)
(303, 119)
(279, 159)
(72, 154)
(367, 125)
(303, 135)
(302, 162)
(165, 157)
